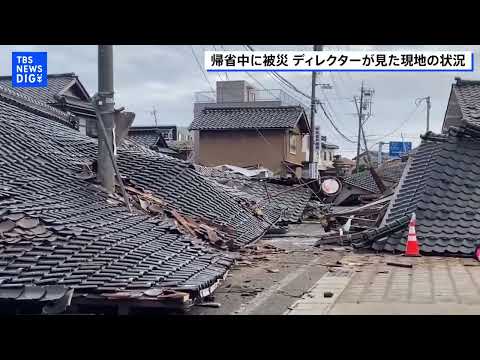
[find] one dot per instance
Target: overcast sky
(166, 77)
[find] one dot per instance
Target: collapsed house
(371, 184)
(440, 184)
(263, 195)
(67, 244)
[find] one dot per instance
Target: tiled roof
(147, 139)
(391, 170)
(266, 195)
(59, 229)
(363, 180)
(151, 139)
(441, 185)
(282, 117)
(56, 83)
(23, 101)
(468, 96)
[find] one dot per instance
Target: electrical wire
(201, 68)
(408, 118)
(293, 87)
(282, 79)
(334, 126)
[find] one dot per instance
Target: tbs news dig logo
(29, 69)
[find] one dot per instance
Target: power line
(285, 81)
(264, 88)
(201, 68)
(409, 117)
(334, 126)
(293, 87)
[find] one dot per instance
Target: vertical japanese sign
(29, 69)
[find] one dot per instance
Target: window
(293, 143)
(330, 155)
(325, 156)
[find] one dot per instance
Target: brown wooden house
(273, 137)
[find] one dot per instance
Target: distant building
(240, 125)
(325, 156)
(184, 134)
(343, 166)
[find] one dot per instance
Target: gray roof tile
(56, 83)
(281, 117)
(89, 233)
(363, 180)
(441, 185)
(468, 96)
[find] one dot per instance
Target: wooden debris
(210, 304)
(273, 270)
(400, 264)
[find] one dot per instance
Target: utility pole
(380, 154)
(365, 104)
(360, 118)
(105, 173)
(313, 173)
(429, 105)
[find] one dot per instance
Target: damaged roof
(441, 185)
(290, 200)
(390, 171)
(151, 139)
(60, 232)
(280, 117)
(363, 180)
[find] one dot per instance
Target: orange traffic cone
(412, 248)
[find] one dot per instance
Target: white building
(326, 155)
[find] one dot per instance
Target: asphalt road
(271, 279)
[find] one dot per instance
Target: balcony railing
(210, 97)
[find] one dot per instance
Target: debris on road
(210, 304)
(273, 270)
(399, 264)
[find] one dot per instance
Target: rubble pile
(263, 196)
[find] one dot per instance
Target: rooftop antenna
(154, 113)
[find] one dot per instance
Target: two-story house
(240, 125)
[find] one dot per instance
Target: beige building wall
(247, 148)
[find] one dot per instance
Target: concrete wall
(246, 148)
(232, 91)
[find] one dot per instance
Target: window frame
(293, 136)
